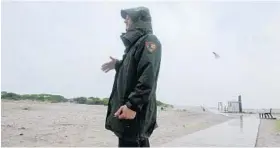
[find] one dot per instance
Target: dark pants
(142, 143)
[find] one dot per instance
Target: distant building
(220, 106)
(233, 106)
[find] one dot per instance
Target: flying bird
(216, 55)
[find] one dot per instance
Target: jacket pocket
(131, 128)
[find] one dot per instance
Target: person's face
(127, 22)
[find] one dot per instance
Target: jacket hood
(141, 18)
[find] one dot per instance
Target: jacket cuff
(132, 107)
(117, 65)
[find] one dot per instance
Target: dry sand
(28, 123)
(269, 135)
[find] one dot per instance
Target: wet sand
(238, 132)
(28, 123)
(269, 134)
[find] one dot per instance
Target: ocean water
(274, 110)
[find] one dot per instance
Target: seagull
(216, 55)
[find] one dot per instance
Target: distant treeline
(58, 98)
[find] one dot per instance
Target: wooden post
(240, 104)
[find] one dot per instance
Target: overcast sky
(58, 48)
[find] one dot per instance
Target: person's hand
(109, 65)
(125, 113)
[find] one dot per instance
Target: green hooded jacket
(136, 78)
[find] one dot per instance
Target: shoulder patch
(151, 46)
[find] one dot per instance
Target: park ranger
(132, 110)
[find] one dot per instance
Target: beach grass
(277, 125)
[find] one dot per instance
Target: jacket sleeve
(148, 58)
(117, 65)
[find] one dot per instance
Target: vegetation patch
(277, 125)
(58, 98)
